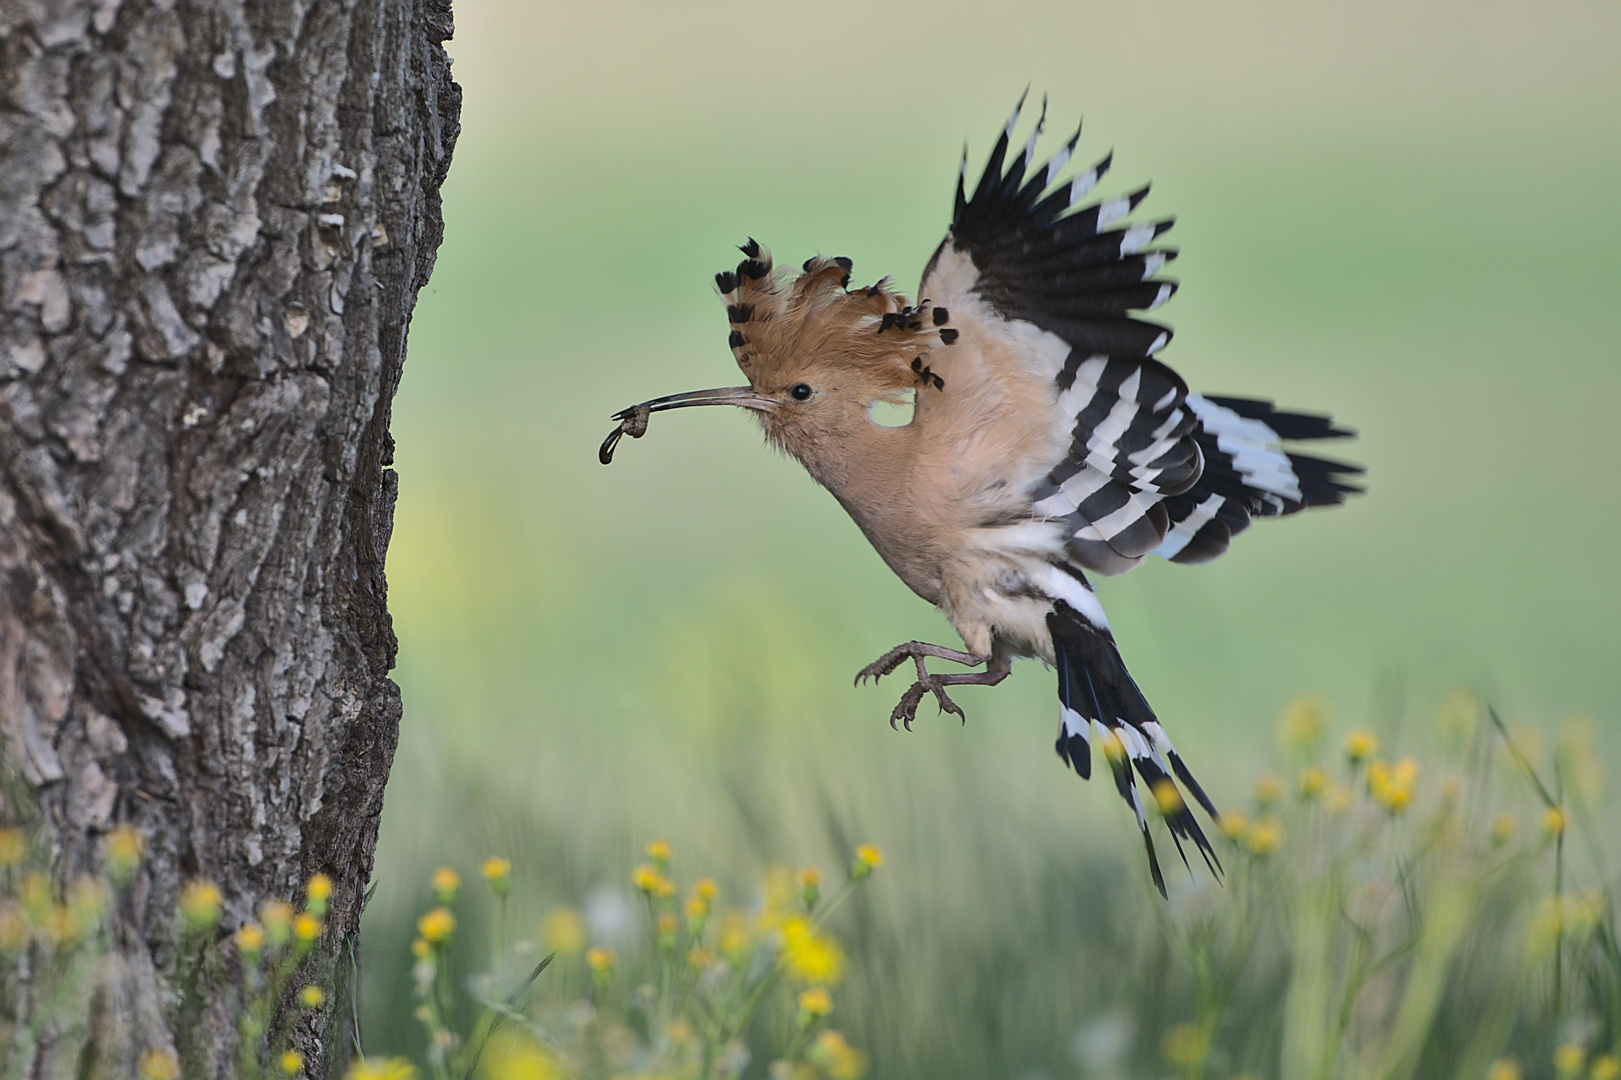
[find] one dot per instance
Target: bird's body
(1046, 442)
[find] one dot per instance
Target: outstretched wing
(1149, 466)
(1035, 252)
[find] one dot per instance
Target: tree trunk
(214, 220)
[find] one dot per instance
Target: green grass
(1374, 922)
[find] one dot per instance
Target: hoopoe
(1046, 442)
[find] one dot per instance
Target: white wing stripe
(1252, 446)
(1113, 524)
(1183, 532)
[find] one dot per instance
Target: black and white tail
(1094, 688)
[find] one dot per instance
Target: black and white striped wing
(1150, 467)
(1248, 474)
(1077, 271)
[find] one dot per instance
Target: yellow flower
(1113, 749)
(317, 891)
(1265, 837)
(311, 996)
(814, 1004)
(810, 886)
(600, 959)
(376, 1068)
(306, 927)
(420, 948)
(1184, 1046)
(445, 882)
(809, 956)
(1502, 830)
(277, 918)
(1361, 745)
(1503, 1069)
(562, 931)
(159, 1065)
(13, 846)
(647, 879)
(836, 1057)
(1392, 785)
(706, 890)
(250, 939)
(1312, 782)
(1303, 723)
(659, 851)
(1234, 826)
(868, 859)
(667, 927)
(1568, 1059)
(697, 909)
(437, 925)
(1554, 821)
(514, 1056)
(200, 905)
(1167, 798)
(498, 872)
(291, 1062)
(122, 852)
(1605, 1067)
(1268, 790)
(699, 958)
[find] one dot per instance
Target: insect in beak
(633, 421)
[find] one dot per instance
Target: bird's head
(817, 355)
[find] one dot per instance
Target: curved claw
(906, 709)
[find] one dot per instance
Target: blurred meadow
(1405, 214)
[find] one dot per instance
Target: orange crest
(784, 328)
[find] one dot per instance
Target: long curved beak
(633, 421)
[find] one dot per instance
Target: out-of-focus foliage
(55, 944)
(696, 1000)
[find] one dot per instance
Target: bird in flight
(1047, 442)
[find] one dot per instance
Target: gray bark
(214, 220)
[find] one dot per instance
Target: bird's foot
(906, 711)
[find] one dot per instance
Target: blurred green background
(1405, 214)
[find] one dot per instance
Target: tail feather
(1094, 688)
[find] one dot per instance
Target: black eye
(799, 391)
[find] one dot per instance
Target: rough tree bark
(214, 219)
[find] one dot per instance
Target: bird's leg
(906, 711)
